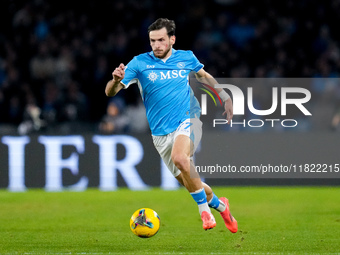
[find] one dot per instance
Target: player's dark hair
(162, 22)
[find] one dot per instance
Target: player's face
(161, 43)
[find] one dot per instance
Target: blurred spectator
(73, 104)
(64, 66)
(136, 115)
(31, 118)
(41, 29)
(51, 107)
(114, 121)
(42, 65)
(121, 118)
(23, 17)
(15, 114)
(241, 32)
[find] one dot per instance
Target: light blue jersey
(165, 89)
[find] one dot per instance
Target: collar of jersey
(172, 53)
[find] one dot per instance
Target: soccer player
(173, 112)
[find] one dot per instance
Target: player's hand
(228, 109)
(118, 73)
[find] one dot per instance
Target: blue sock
(214, 202)
(201, 199)
(199, 196)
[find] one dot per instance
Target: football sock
(217, 204)
(201, 199)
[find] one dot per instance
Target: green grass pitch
(280, 220)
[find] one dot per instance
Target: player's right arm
(114, 86)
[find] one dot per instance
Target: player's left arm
(206, 78)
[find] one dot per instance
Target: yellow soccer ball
(145, 222)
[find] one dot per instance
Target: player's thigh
(163, 145)
(188, 136)
(180, 154)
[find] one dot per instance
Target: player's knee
(181, 161)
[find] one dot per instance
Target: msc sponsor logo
(153, 76)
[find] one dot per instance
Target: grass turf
(296, 220)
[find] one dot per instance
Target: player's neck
(167, 56)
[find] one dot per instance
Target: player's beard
(163, 55)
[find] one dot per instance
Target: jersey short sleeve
(131, 73)
(195, 65)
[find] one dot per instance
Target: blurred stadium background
(56, 57)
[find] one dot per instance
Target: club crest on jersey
(180, 65)
(152, 76)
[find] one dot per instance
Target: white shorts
(191, 128)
